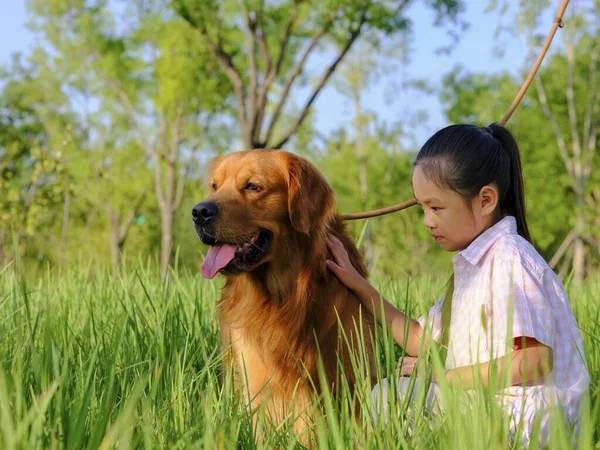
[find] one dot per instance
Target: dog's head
(260, 202)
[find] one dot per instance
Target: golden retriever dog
(266, 219)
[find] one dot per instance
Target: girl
(469, 182)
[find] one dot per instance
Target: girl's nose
(428, 221)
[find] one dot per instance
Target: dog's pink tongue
(218, 256)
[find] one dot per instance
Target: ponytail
(513, 203)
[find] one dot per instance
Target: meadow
(94, 361)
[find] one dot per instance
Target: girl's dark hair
(464, 158)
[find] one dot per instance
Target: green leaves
(264, 47)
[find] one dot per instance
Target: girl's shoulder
(513, 249)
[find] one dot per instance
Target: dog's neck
(300, 275)
(293, 292)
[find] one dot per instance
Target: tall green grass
(89, 360)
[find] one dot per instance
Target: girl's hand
(342, 267)
(409, 364)
(406, 366)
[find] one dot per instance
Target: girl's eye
(252, 187)
(435, 209)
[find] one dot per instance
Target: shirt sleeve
(432, 323)
(517, 294)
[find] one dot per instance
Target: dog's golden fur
(277, 317)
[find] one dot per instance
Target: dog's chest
(254, 368)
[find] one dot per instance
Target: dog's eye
(252, 187)
(213, 186)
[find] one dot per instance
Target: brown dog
(266, 220)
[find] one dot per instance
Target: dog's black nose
(204, 212)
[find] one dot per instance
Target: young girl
(469, 182)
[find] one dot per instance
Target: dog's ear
(311, 201)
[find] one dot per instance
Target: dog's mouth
(230, 259)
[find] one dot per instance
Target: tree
(138, 62)
(556, 129)
(576, 134)
(35, 133)
(264, 49)
(575, 127)
(116, 182)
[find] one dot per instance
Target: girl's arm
(373, 301)
(531, 361)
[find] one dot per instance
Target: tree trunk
(166, 221)
(115, 249)
(578, 260)
(167, 213)
(119, 231)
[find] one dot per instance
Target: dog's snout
(204, 212)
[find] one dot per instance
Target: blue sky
(475, 51)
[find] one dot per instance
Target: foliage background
(109, 336)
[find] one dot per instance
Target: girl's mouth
(438, 238)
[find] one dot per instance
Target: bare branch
(124, 228)
(163, 133)
(183, 174)
(158, 185)
(130, 113)
(253, 77)
(592, 96)
(590, 199)
(175, 137)
(88, 222)
(295, 72)
(158, 175)
(226, 63)
(590, 133)
(127, 224)
(570, 51)
(270, 71)
(286, 38)
(179, 189)
(564, 246)
(592, 242)
(235, 79)
(566, 265)
(592, 143)
(562, 146)
(264, 55)
(257, 119)
(292, 129)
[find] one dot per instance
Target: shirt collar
(482, 243)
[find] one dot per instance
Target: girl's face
(451, 221)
